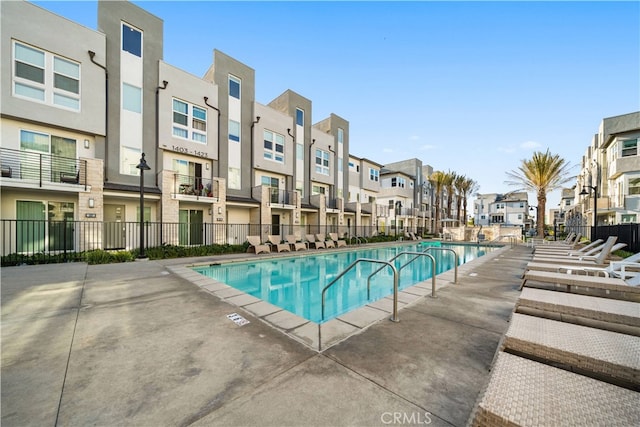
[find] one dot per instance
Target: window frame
(374, 175)
(322, 162)
(633, 150)
(51, 93)
(238, 82)
(139, 50)
(233, 137)
(272, 153)
(191, 131)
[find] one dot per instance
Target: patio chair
(337, 242)
(274, 241)
(598, 254)
(317, 244)
(295, 244)
(327, 243)
(256, 246)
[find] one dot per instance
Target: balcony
(188, 187)
(28, 169)
(623, 165)
(276, 196)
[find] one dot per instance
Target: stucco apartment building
(610, 166)
(77, 117)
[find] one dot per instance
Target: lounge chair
(312, 242)
(256, 246)
(629, 266)
(275, 241)
(597, 255)
(573, 252)
(295, 244)
(327, 243)
(629, 287)
(337, 242)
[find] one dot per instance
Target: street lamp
(143, 166)
(584, 192)
(537, 216)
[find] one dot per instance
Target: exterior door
(275, 225)
(114, 227)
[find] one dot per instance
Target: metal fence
(626, 233)
(21, 239)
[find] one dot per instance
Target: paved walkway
(134, 344)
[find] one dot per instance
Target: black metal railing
(40, 168)
(66, 240)
(195, 186)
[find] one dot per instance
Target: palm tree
(437, 180)
(465, 187)
(458, 183)
(450, 178)
(542, 174)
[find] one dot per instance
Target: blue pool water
(295, 283)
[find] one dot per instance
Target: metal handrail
(394, 318)
(455, 254)
(418, 254)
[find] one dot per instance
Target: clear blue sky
(471, 87)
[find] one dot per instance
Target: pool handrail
(394, 317)
(455, 261)
(418, 255)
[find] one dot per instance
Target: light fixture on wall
(206, 166)
(86, 143)
(210, 211)
(219, 210)
(92, 202)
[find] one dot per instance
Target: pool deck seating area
(145, 343)
(567, 358)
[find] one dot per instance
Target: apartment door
(114, 227)
(275, 225)
(191, 227)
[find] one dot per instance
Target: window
(131, 98)
(316, 189)
(299, 117)
(269, 181)
(634, 187)
(234, 87)
(628, 218)
(234, 131)
(46, 77)
(299, 151)
(629, 147)
(398, 182)
(129, 158)
(189, 121)
(131, 40)
(322, 162)
(340, 136)
(64, 150)
(273, 146)
(374, 175)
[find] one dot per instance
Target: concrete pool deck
(138, 344)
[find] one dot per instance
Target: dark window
(131, 40)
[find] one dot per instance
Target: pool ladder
(396, 277)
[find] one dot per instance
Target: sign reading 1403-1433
(185, 150)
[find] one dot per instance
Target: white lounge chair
(337, 242)
(275, 241)
(312, 242)
(327, 243)
(295, 244)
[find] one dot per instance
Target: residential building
(510, 209)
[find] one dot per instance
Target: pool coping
(321, 336)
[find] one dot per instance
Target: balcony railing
(195, 186)
(41, 169)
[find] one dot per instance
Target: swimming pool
(295, 283)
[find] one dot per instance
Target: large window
(340, 136)
(234, 131)
(634, 187)
(322, 162)
(234, 87)
(189, 121)
(45, 77)
(129, 159)
(61, 161)
(273, 146)
(46, 229)
(131, 40)
(131, 98)
(374, 175)
(629, 147)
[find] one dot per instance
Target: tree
(542, 174)
(437, 180)
(464, 187)
(449, 181)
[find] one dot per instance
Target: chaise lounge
(256, 246)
